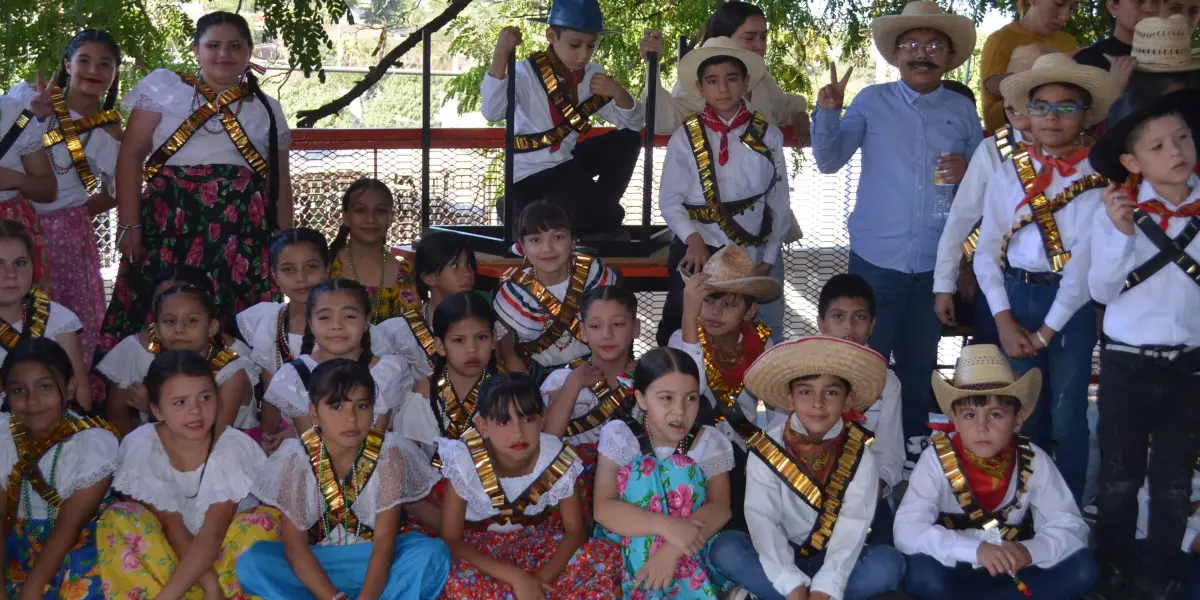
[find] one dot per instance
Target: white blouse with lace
(29, 142)
(60, 321)
(392, 378)
(287, 482)
(259, 326)
(712, 451)
(87, 457)
(165, 93)
(459, 468)
(584, 402)
(146, 474)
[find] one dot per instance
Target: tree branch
(308, 118)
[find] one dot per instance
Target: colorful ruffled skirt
(78, 578)
(419, 569)
(675, 487)
(594, 572)
(136, 560)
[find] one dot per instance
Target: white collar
(1146, 192)
(794, 423)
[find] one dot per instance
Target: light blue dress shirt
(900, 133)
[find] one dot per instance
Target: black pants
(672, 310)
(590, 185)
(1142, 400)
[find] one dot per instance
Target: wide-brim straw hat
(982, 369)
(1061, 68)
(1022, 60)
(730, 270)
(1126, 115)
(887, 29)
(771, 376)
(1164, 46)
(578, 15)
(756, 67)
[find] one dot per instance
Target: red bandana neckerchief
(1160, 208)
(1065, 167)
(713, 122)
(568, 81)
(752, 348)
(818, 456)
(988, 478)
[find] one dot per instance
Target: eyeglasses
(1062, 110)
(931, 48)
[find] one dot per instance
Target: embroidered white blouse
(30, 140)
(459, 468)
(163, 92)
(146, 474)
(712, 451)
(777, 518)
(87, 458)
(1059, 529)
(60, 321)
(392, 382)
(287, 482)
(585, 402)
(99, 146)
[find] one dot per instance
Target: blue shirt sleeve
(835, 138)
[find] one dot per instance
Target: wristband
(340, 596)
(1041, 338)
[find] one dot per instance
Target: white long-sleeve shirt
(883, 419)
(1163, 309)
(1059, 530)
(533, 115)
(746, 174)
(965, 212)
(777, 518)
(779, 107)
(1025, 250)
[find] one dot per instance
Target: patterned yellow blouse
(388, 303)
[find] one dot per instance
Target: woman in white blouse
(212, 149)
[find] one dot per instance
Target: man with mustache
(906, 130)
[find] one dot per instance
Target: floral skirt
(136, 560)
(74, 257)
(586, 483)
(20, 209)
(78, 578)
(213, 217)
(676, 487)
(594, 572)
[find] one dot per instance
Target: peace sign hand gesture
(831, 96)
(41, 106)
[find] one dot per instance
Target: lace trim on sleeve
(618, 443)
(287, 483)
(459, 468)
(287, 393)
(714, 454)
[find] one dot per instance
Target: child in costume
(540, 303)
(185, 318)
(340, 488)
(558, 91)
(811, 486)
(511, 517)
(846, 310)
(662, 483)
(987, 513)
(56, 468)
(181, 532)
(716, 191)
(28, 177)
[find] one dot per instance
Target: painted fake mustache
(916, 64)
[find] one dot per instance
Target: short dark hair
(542, 216)
(960, 88)
(436, 250)
(845, 382)
(980, 401)
(608, 292)
(728, 18)
(1145, 86)
(1135, 133)
(747, 299)
(333, 380)
(1084, 95)
(509, 390)
(661, 362)
(721, 59)
(846, 285)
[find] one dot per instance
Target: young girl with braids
(511, 517)
(662, 483)
(28, 313)
(185, 318)
(180, 533)
(56, 467)
(341, 488)
(214, 200)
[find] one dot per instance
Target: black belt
(1034, 277)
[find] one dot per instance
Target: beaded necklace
(26, 501)
(680, 448)
(382, 275)
(283, 347)
(344, 518)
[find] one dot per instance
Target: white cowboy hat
(1022, 60)
(1061, 68)
(770, 377)
(887, 29)
(1164, 46)
(982, 369)
(730, 271)
(756, 67)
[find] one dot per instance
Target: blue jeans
(882, 524)
(1191, 577)
(771, 313)
(983, 324)
(928, 579)
(907, 330)
(880, 569)
(1059, 423)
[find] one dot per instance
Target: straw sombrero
(1061, 68)
(983, 369)
(771, 376)
(887, 29)
(729, 270)
(1126, 115)
(1022, 60)
(1163, 46)
(756, 68)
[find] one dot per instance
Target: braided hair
(453, 309)
(359, 293)
(89, 36)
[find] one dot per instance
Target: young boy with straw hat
(724, 180)
(1034, 252)
(1145, 271)
(986, 512)
(720, 333)
(811, 483)
(1163, 58)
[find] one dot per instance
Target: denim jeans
(983, 324)
(1059, 421)
(928, 579)
(882, 524)
(1191, 577)
(907, 330)
(880, 569)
